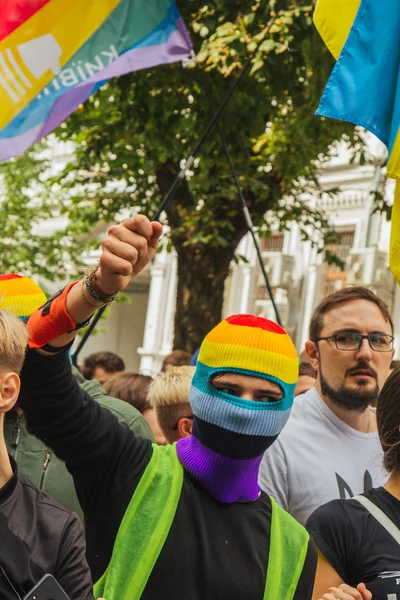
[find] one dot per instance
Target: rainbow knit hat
(20, 295)
(252, 346)
(230, 434)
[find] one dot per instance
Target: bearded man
(330, 447)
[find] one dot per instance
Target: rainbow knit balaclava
(230, 434)
(20, 295)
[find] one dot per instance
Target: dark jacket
(37, 462)
(38, 536)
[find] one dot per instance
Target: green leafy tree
(132, 135)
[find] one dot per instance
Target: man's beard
(352, 399)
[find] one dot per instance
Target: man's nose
(365, 350)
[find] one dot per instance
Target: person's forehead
(101, 370)
(361, 315)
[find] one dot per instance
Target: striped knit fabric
(20, 295)
(231, 434)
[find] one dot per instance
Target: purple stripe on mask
(227, 480)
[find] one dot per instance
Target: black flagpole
(96, 317)
(245, 210)
(181, 175)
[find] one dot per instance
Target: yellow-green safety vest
(148, 519)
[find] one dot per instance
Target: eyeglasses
(351, 340)
(176, 425)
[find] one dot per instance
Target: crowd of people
(234, 473)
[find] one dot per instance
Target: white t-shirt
(318, 458)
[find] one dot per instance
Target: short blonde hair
(13, 342)
(169, 394)
(171, 387)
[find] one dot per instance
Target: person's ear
(312, 354)
(9, 390)
(185, 427)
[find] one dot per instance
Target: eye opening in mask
(247, 387)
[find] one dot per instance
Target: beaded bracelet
(95, 295)
(85, 299)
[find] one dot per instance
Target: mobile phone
(47, 589)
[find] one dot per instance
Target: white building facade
(142, 331)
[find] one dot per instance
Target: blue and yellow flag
(364, 87)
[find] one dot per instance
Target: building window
(336, 278)
(273, 243)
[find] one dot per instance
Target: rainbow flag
(55, 53)
(364, 87)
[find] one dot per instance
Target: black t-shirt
(227, 543)
(212, 551)
(357, 546)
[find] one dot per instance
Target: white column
(152, 330)
(293, 239)
(287, 236)
(249, 274)
(243, 280)
(311, 292)
(170, 304)
(232, 288)
(308, 306)
(245, 289)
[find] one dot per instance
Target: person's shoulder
(303, 413)
(122, 410)
(336, 506)
(92, 387)
(378, 495)
(305, 403)
(46, 506)
(336, 514)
